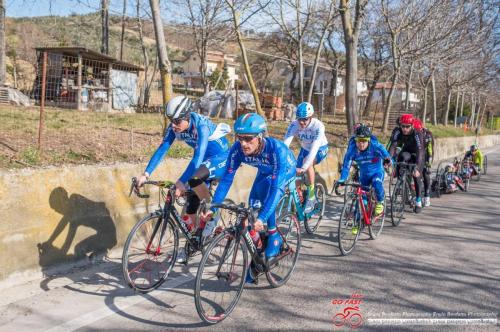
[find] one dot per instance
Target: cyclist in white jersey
(314, 146)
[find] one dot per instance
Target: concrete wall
(54, 216)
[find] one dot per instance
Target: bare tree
(144, 96)
(239, 8)
(207, 21)
(333, 59)
(294, 28)
(325, 15)
(352, 27)
(284, 47)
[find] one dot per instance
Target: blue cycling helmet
(251, 123)
(304, 110)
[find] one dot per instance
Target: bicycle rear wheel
(349, 226)
(149, 253)
(311, 224)
(376, 222)
(282, 269)
(398, 202)
(220, 278)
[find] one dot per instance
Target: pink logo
(350, 316)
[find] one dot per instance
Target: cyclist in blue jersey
(351, 145)
(371, 157)
(210, 151)
(276, 166)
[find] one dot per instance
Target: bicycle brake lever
(132, 186)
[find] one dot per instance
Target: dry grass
(72, 137)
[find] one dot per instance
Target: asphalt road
(441, 264)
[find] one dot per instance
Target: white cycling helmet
(178, 108)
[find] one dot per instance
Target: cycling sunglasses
(303, 120)
(245, 138)
(362, 139)
(406, 126)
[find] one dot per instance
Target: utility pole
(105, 26)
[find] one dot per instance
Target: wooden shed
(83, 79)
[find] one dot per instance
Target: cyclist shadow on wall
(79, 214)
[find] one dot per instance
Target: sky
(31, 8)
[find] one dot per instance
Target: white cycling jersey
(311, 138)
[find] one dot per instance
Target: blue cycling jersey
(206, 138)
(275, 161)
(369, 161)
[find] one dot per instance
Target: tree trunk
(292, 83)
(105, 26)
(334, 86)
(351, 91)
(145, 91)
(246, 65)
(478, 112)
(424, 112)
(3, 63)
(123, 28)
(315, 65)
(369, 98)
(456, 109)
(203, 68)
(445, 118)
(472, 108)
(462, 105)
(164, 63)
(408, 87)
(434, 101)
(300, 53)
(387, 109)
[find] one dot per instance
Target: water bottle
(188, 222)
(210, 226)
(256, 238)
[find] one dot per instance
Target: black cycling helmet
(363, 131)
(473, 147)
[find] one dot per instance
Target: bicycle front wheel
(398, 201)
(282, 206)
(485, 164)
(149, 253)
(283, 266)
(376, 223)
(311, 224)
(349, 226)
(220, 278)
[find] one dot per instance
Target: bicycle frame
(367, 212)
(239, 230)
(169, 210)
